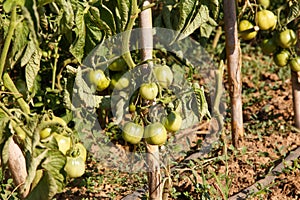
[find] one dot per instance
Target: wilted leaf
(32, 69)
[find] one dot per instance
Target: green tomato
(264, 3)
(63, 142)
(245, 28)
(132, 108)
(164, 75)
(265, 20)
(173, 121)
(155, 134)
(295, 64)
(81, 151)
(268, 46)
(99, 79)
(287, 38)
(132, 133)
(45, 133)
(148, 91)
(119, 81)
(75, 167)
(281, 58)
(118, 65)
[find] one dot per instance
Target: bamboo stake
(233, 55)
(154, 176)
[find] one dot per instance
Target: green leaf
(107, 18)
(213, 6)
(30, 49)
(123, 10)
(201, 17)
(166, 15)
(42, 189)
(32, 69)
(20, 40)
(186, 10)
(54, 164)
(8, 4)
(67, 20)
(77, 48)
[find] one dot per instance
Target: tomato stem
(11, 28)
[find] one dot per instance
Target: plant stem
(11, 28)
(125, 41)
(9, 84)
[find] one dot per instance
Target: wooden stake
(154, 175)
(233, 55)
(296, 90)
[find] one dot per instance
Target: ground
(269, 136)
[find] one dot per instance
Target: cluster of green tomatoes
(75, 152)
(133, 131)
(280, 41)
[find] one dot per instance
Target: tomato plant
(295, 64)
(268, 46)
(132, 133)
(81, 150)
(246, 30)
(98, 79)
(266, 20)
(264, 3)
(281, 58)
(155, 134)
(149, 91)
(45, 133)
(63, 142)
(119, 81)
(164, 75)
(287, 38)
(173, 121)
(118, 65)
(75, 166)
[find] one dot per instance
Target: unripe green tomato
(118, 65)
(119, 81)
(45, 133)
(155, 134)
(132, 108)
(245, 27)
(82, 151)
(265, 20)
(295, 64)
(173, 121)
(148, 91)
(164, 75)
(132, 133)
(268, 46)
(264, 3)
(99, 79)
(281, 58)
(63, 142)
(287, 38)
(75, 167)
